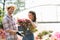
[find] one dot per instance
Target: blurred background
(47, 11)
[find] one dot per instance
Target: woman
(29, 35)
(32, 17)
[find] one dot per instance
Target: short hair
(10, 7)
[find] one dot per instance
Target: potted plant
(44, 33)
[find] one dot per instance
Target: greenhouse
(42, 15)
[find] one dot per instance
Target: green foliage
(19, 4)
(1, 16)
(40, 35)
(43, 33)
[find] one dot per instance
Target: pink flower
(20, 20)
(2, 33)
(56, 36)
(36, 38)
(28, 21)
(24, 22)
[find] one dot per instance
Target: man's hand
(12, 32)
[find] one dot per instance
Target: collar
(9, 16)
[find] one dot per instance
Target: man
(9, 24)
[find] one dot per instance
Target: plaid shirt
(9, 23)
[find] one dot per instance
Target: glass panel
(55, 27)
(58, 12)
(48, 13)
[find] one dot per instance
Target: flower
(36, 38)
(2, 33)
(28, 21)
(56, 36)
(26, 24)
(20, 20)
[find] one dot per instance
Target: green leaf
(45, 32)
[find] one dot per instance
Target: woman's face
(30, 16)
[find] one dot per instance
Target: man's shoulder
(5, 18)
